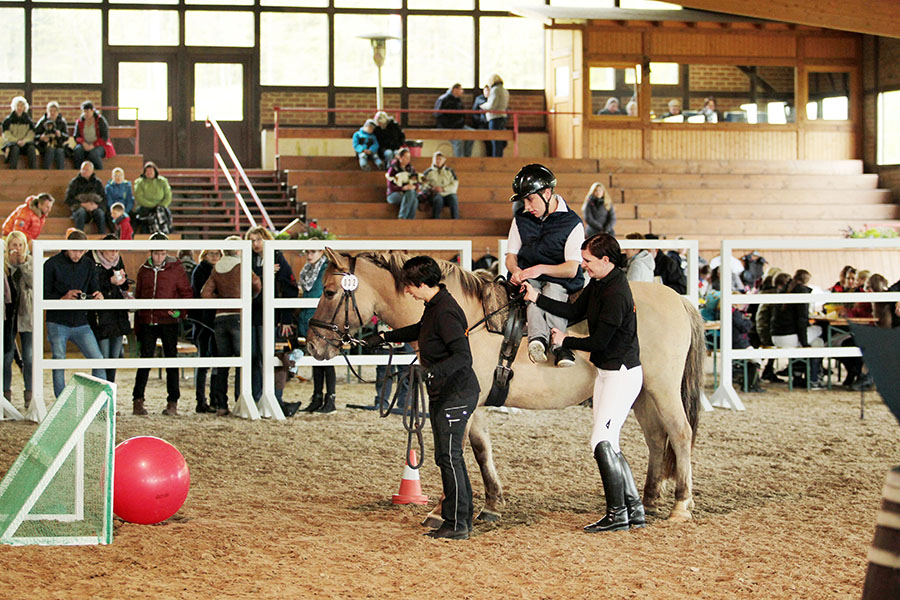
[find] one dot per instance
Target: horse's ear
(337, 259)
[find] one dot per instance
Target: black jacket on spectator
(478, 119)
(62, 275)
(612, 321)
(792, 318)
(79, 185)
(741, 324)
(110, 323)
(285, 287)
(390, 137)
(443, 347)
(670, 272)
(895, 320)
(206, 316)
(45, 125)
(447, 101)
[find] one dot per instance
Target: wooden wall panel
(722, 45)
(711, 145)
(831, 47)
(829, 145)
(614, 143)
(613, 42)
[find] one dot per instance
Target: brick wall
(65, 97)
(365, 100)
(724, 78)
(294, 100)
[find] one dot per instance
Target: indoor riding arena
(208, 211)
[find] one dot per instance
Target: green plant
(314, 233)
(871, 232)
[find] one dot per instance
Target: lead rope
(414, 414)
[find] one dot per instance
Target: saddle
(512, 317)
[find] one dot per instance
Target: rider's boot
(633, 504)
(616, 518)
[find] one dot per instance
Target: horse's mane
(478, 285)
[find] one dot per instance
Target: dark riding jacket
(544, 243)
(612, 321)
(443, 347)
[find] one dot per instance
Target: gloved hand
(428, 377)
(373, 341)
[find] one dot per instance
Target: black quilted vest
(544, 243)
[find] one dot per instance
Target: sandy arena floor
(786, 495)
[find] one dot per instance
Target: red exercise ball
(151, 480)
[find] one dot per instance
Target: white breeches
(614, 393)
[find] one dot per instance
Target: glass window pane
(648, 5)
(79, 59)
(367, 3)
(143, 28)
(145, 86)
(583, 3)
(279, 52)
(836, 108)
(143, 2)
(506, 5)
(71, 1)
(829, 93)
(301, 3)
(208, 28)
(219, 91)
(12, 50)
(442, 64)
(353, 64)
(442, 4)
(613, 91)
(513, 48)
(889, 128)
(221, 2)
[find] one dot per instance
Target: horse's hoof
(651, 510)
(432, 522)
(680, 516)
(488, 516)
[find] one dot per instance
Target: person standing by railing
(496, 105)
(20, 271)
(478, 119)
(204, 329)
(70, 275)
(452, 100)
(109, 326)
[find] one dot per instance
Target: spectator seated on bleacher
(791, 328)
(611, 108)
(119, 190)
(389, 135)
(29, 217)
(18, 135)
(439, 187)
(365, 145)
(640, 263)
(708, 110)
(152, 197)
(121, 221)
(52, 133)
(86, 198)
(402, 184)
(674, 109)
(92, 137)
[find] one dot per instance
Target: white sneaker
(537, 351)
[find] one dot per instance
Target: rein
(515, 298)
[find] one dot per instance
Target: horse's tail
(691, 382)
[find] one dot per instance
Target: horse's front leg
(484, 455)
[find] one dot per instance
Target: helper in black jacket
(452, 386)
(613, 345)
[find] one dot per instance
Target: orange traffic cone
(410, 489)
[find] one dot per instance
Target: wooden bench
(411, 133)
(504, 165)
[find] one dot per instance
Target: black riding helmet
(532, 179)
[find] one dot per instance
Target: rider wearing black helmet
(544, 248)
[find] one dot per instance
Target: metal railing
(515, 116)
(240, 175)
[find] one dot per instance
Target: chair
(798, 361)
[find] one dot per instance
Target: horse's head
(339, 307)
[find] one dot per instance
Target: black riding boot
(616, 517)
(315, 402)
(328, 405)
(768, 373)
(633, 504)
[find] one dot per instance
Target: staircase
(201, 212)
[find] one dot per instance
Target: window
(143, 2)
(12, 50)
(648, 5)
(726, 93)
(145, 86)
(367, 3)
(143, 28)
(614, 90)
(506, 5)
(212, 28)
(281, 52)
(299, 3)
(561, 82)
(76, 59)
(829, 96)
(583, 3)
(221, 2)
(353, 64)
(660, 74)
(436, 59)
(513, 48)
(440, 5)
(219, 91)
(889, 128)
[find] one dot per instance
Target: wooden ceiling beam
(875, 17)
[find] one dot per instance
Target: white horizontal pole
(816, 297)
(136, 245)
(819, 352)
(141, 363)
(811, 244)
(358, 360)
(143, 304)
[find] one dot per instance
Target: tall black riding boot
(315, 402)
(616, 517)
(633, 504)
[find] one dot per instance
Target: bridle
(349, 284)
